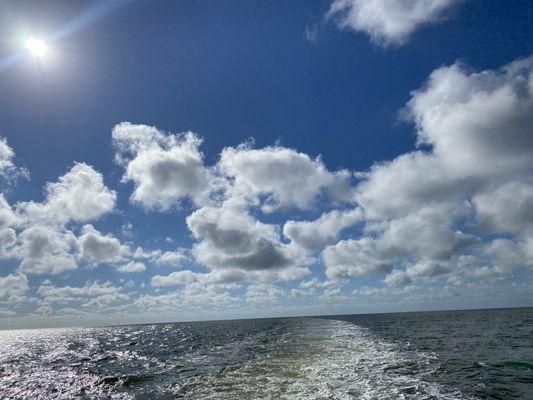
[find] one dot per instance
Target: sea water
(485, 354)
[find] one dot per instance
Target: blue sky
(208, 159)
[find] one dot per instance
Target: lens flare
(36, 47)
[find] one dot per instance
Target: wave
(325, 359)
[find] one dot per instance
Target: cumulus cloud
(447, 113)
(8, 235)
(388, 22)
(37, 234)
(195, 290)
(176, 278)
(507, 208)
(98, 249)
(65, 294)
(8, 238)
(281, 175)
(164, 168)
(160, 258)
(428, 233)
(171, 258)
(104, 302)
(264, 293)
(479, 128)
(195, 297)
(474, 174)
(7, 216)
(8, 170)
(429, 269)
(221, 278)
(420, 215)
(132, 267)
(80, 195)
(46, 251)
(354, 258)
(274, 178)
(457, 209)
(394, 189)
(229, 237)
(13, 286)
(314, 235)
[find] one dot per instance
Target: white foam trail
(325, 359)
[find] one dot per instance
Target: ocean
(482, 354)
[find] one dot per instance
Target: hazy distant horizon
(164, 322)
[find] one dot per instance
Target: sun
(36, 47)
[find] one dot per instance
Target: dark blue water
(439, 355)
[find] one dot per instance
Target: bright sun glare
(36, 47)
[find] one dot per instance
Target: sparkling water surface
(485, 354)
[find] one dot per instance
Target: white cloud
(229, 237)
(8, 235)
(171, 258)
(104, 301)
(143, 254)
(426, 237)
(478, 123)
(164, 168)
(264, 293)
(46, 251)
(419, 216)
(388, 22)
(314, 235)
(526, 246)
(13, 285)
(398, 277)
(396, 188)
(428, 269)
(284, 176)
(195, 297)
(182, 278)
(8, 239)
(132, 267)
(417, 212)
(474, 174)
(80, 195)
(161, 258)
(353, 258)
(223, 279)
(504, 255)
(37, 234)
(7, 216)
(127, 230)
(8, 170)
(508, 208)
(98, 249)
(428, 234)
(6, 312)
(196, 290)
(495, 260)
(66, 294)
